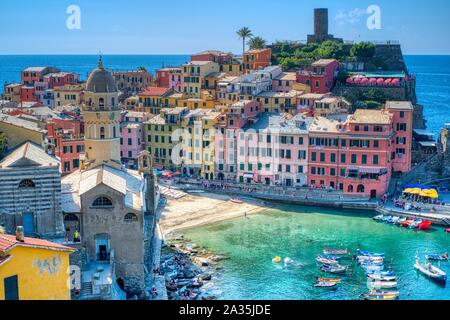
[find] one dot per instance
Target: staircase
(86, 291)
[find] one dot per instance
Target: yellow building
(153, 99)
(232, 68)
(33, 269)
(19, 130)
(194, 75)
(193, 104)
(68, 94)
(279, 101)
(158, 133)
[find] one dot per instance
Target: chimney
(20, 234)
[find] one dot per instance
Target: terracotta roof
(155, 91)
(8, 241)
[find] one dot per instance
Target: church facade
(107, 204)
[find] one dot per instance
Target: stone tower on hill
(321, 27)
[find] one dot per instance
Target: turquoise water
(301, 233)
(433, 74)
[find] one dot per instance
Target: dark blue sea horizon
(432, 71)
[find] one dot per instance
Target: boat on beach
(437, 257)
(236, 200)
(431, 271)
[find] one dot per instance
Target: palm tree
(257, 43)
(244, 33)
(142, 68)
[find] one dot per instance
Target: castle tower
(321, 23)
(102, 120)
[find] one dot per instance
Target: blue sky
(183, 27)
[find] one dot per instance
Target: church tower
(101, 115)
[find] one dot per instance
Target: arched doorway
(350, 188)
(361, 189)
(71, 224)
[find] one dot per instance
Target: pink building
(274, 150)
(320, 76)
(284, 82)
(132, 139)
(358, 154)
(237, 116)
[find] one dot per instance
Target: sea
(433, 74)
(301, 233)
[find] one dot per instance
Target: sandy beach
(196, 209)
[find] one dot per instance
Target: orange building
(257, 59)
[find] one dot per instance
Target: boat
(401, 220)
(369, 269)
(378, 218)
(369, 258)
(387, 218)
(326, 261)
(336, 252)
(324, 284)
(337, 280)
(379, 277)
(437, 257)
(415, 224)
(384, 292)
(238, 201)
(330, 257)
(370, 263)
(380, 297)
(334, 269)
(382, 284)
(369, 253)
(431, 271)
(395, 220)
(380, 273)
(425, 225)
(407, 223)
(447, 230)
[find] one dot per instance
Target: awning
(370, 170)
(428, 144)
(248, 176)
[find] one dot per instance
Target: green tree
(257, 43)
(142, 68)
(363, 50)
(244, 33)
(329, 50)
(3, 143)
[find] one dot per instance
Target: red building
(257, 59)
(36, 74)
(169, 78)
(320, 76)
(28, 94)
(60, 79)
(67, 138)
(214, 56)
(359, 154)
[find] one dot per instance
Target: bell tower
(101, 115)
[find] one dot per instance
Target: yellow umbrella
(415, 191)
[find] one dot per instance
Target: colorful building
(33, 269)
(153, 99)
(320, 76)
(170, 78)
(133, 81)
(257, 59)
(273, 151)
(331, 106)
(193, 75)
(68, 95)
(279, 102)
(284, 82)
(66, 139)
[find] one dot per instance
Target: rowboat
(330, 257)
(380, 273)
(426, 225)
(401, 220)
(370, 263)
(387, 218)
(324, 284)
(380, 296)
(369, 253)
(238, 201)
(415, 224)
(334, 269)
(384, 292)
(335, 252)
(407, 223)
(372, 269)
(437, 257)
(431, 271)
(379, 277)
(369, 259)
(382, 284)
(378, 218)
(326, 261)
(337, 280)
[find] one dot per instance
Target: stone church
(108, 204)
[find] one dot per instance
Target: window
(360, 188)
(314, 156)
(332, 172)
(376, 144)
(102, 202)
(76, 163)
(130, 217)
(322, 157)
(354, 157)
(364, 159)
(333, 157)
(343, 157)
(27, 183)
(375, 159)
(102, 133)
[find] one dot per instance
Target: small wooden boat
(337, 280)
(334, 269)
(377, 297)
(401, 220)
(426, 225)
(370, 263)
(407, 223)
(369, 259)
(236, 200)
(447, 230)
(415, 224)
(324, 284)
(431, 271)
(330, 257)
(335, 252)
(384, 292)
(382, 284)
(369, 253)
(372, 269)
(437, 257)
(326, 261)
(379, 273)
(379, 277)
